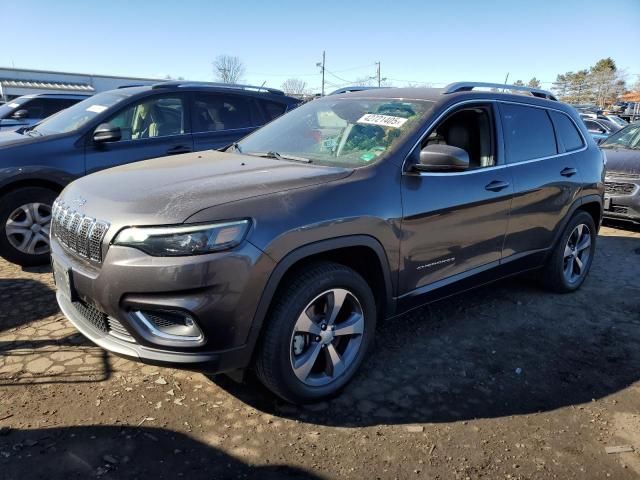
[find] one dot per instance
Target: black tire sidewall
(284, 320)
(8, 203)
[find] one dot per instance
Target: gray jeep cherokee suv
(282, 253)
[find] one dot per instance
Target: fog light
(170, 327)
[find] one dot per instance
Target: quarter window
(566, 131)
(528, 133)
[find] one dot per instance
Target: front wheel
(317, 334)
(25, 219)
(571, 259)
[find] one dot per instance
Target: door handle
(496, 186)
(568, 172)
(178, 149)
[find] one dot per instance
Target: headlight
(180, 240)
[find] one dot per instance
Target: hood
(622, 160)
(171, 189)
(10, 138)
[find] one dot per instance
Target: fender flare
(305, 251)
(578, 202)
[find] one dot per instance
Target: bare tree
(228, 69)
(294, 86)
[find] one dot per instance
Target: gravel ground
(506, 381)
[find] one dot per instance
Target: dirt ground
(507, 382)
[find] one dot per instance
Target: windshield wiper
(235, 146)
(31, 130)
(279, 156)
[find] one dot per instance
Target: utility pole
(378, 73)
(321, 65)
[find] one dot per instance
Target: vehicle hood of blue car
(11, 138)
(623, 160)
(171, 189)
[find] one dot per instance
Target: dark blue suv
(113, 128)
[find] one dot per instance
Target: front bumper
(221, 291)
(624, 198)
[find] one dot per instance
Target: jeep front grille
(78, 233)
(619, 188)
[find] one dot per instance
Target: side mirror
(20, 114)
(442, 158)
(105, 132)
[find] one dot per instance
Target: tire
(14, 208)
(283, 345)
(555, 275)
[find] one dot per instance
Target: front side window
(151, 117)
(342, 132)
(528, 133)
(470, 129)
(566, 131)
(217, 112)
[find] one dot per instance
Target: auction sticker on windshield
(382, 120)
(96, 108)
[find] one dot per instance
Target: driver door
(151, 127)
(455, 223)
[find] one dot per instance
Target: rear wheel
(25, 220)
(318, 333)
(571, 259)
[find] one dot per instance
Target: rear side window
(216, 112)
(528, 133)
(272, 109)
(568, 135)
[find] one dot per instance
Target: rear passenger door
(219, 119)
(545, 174)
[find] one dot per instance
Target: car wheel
(25, 219)
(317, 334)
(572, 256)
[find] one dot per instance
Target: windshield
(81, 113)
(10, 106)
(617, 120)
(628, 137)
(342, 132)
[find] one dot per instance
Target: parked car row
(108, 129)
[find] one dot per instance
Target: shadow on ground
(505, 349)
(111, 452)
(23, 301)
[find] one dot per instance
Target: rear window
(528, 133)
(567, 132)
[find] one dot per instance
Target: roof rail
(468, 86)
(236, 86)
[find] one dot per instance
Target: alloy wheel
(27, 228)
(327, 337)
(577, 252)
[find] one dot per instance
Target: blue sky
(416, 41)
